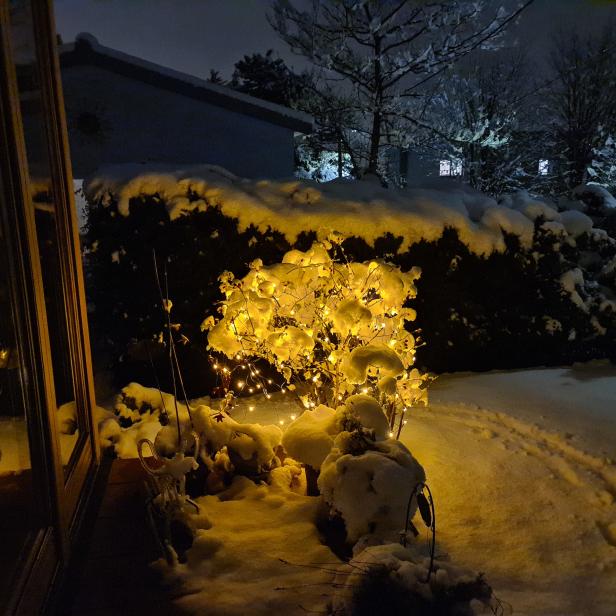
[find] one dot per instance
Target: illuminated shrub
(340, 327)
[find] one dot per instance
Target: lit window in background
(449, 168)
(445, 167)
(544, 166)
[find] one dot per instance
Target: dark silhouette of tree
(580, 102)
(216, 78)
(269, 78)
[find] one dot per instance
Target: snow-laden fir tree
(382, 54)
(331, 328)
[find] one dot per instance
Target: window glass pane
(16, 496)
(45, 205)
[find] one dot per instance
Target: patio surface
(110, 573)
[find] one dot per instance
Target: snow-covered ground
(522, 471)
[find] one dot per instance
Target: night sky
(195, 36)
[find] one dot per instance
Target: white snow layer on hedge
(292, 206)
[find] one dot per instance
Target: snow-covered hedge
(503, 285)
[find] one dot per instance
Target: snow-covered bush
(391, 579)
(368, 483)
(228, 448)
(490, 293)
(359, 463)
(337, 326)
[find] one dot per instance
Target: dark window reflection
(16, 495)
(41, 191)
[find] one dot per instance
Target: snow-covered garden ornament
(332, 328)
(167, 491)
(169, 473)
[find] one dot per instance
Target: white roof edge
(180, 76)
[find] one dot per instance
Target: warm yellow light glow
(251, 408)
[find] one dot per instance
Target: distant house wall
(421, 167)
(115, 119)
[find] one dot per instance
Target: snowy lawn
(520, 464)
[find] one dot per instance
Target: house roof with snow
(86, 50)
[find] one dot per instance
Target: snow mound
(310, 437)
(374, 357)
(369, 413)
(381, 478)
(595, 197)
(576, 223)
(294, 206)
(528, 205)
(384, 576)
(249, 446)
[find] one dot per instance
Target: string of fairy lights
(251, 381)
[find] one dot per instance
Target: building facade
(122, 109)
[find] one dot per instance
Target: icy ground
(522, 469)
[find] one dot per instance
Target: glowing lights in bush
(331, 328)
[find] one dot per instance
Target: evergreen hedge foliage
(474, 313)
